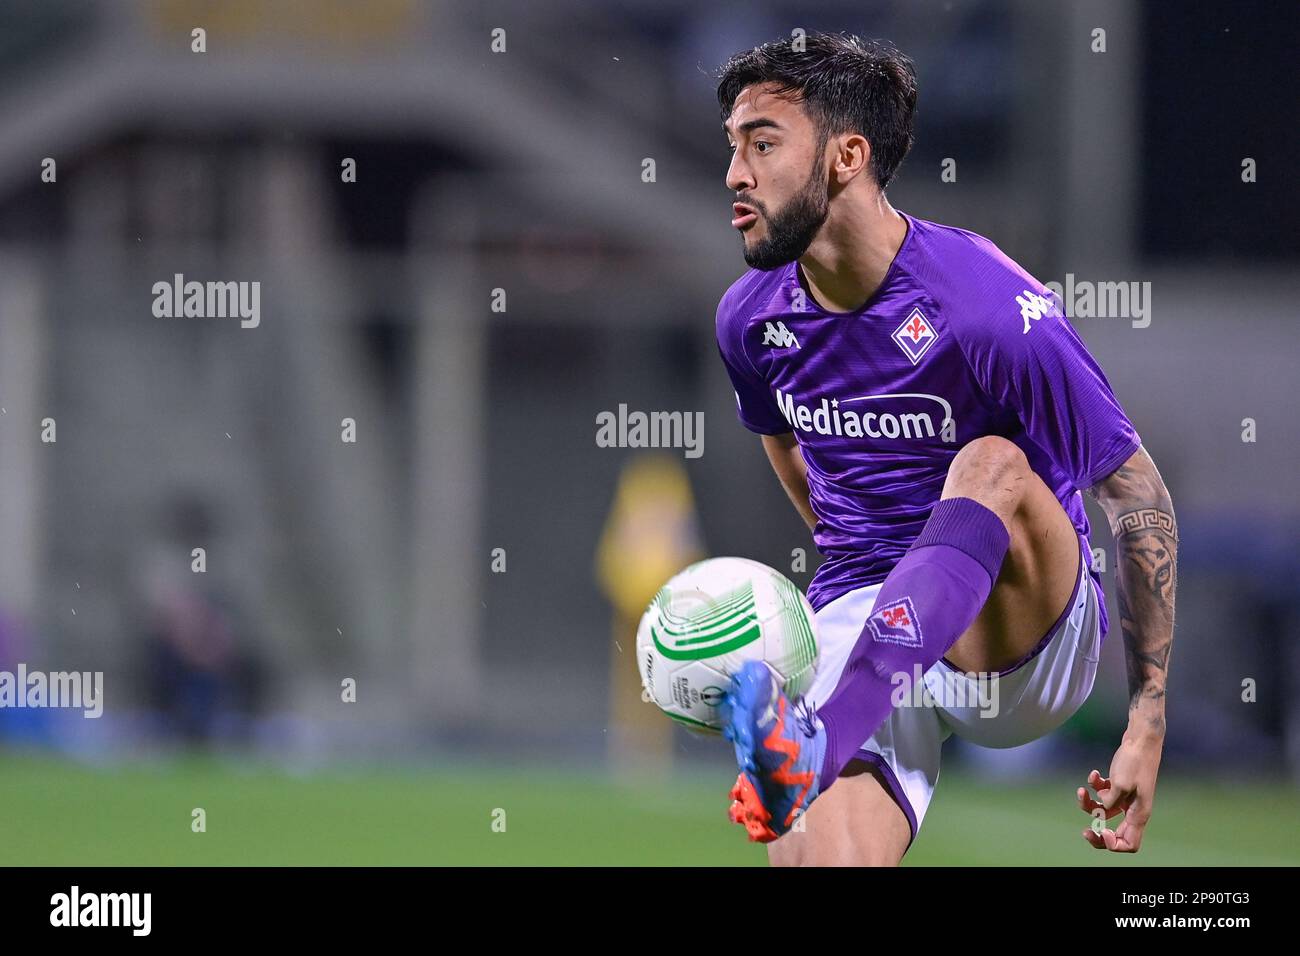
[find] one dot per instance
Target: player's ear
(851, 158)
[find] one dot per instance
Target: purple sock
(928, 601)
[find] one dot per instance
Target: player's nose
(738, 174)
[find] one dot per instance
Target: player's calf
(855, 823)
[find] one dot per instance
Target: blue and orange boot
(779, 751)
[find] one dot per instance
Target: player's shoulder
(977, 287)
(755, 293)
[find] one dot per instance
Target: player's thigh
(1033, 589)
(854, 823)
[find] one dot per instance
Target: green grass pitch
(60, 813)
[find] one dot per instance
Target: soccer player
(934, 418)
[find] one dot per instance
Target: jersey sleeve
(755, 406)
(1029, 359)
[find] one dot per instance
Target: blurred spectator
(201, 672)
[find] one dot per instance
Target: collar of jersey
(890, 274)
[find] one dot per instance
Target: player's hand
(1130, 789)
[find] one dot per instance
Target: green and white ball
(709, 620)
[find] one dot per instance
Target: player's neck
(851, 256)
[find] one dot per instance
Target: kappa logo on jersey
(1033, 307)
(896, 623)
(778, 336)
(915, 336)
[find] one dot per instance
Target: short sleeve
(1030, 360)
(755, 406)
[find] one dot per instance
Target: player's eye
(762, 142)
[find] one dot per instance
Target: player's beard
(791, 231)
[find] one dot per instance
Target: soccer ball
(710, 619)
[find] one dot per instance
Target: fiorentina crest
(915, 336)
(896, 623)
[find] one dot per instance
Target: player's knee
(989, 469)
(992, 457)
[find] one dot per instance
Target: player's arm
(1035, 364)
(787, 461)
(759, 412)
(1141, 517)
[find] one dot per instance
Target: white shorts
(1022, 703)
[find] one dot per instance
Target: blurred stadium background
(480, 689)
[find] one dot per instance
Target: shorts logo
(896, 623)
(915, 336)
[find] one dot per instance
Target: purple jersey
(958, 342)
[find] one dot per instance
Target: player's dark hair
(845, 83)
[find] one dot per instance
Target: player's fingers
(1140, 811)
(1086, 803)
(1128, 838)
(1099, 784)
(1090, 806)
(1135, 821)
(1095, 782)
(1115, 799)
(1101, 840)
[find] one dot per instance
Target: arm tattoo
(1142, 519)
(1145, 518)
(1146, 606)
